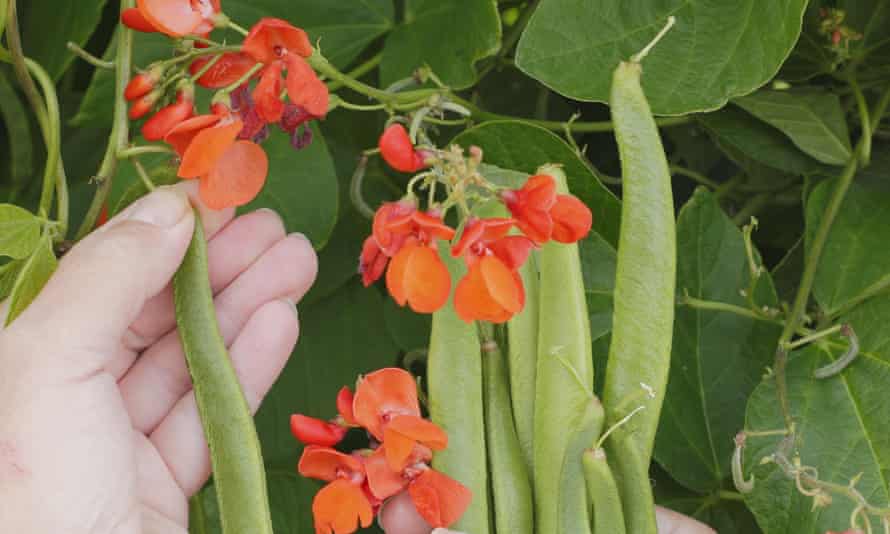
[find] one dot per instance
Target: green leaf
(522, 146)
(855, 261)
(161, 175)
(19, 231)
(717, 357)
(841, 424)
(408, 330)
(343, 28)
(18, 130)
(34, 274)
(716, 51)
(9, 271)
(48, 25)
(813, 120)
(301, 186)
(768, 146)
(450, 37)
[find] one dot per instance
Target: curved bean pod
(608, 517)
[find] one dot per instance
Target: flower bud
(157, 127)
(311, 431)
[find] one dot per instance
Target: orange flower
(231, 172)
(345, 399)
(542, 215)
(492, 290)
(383, 395)
(439, 499)
(398, 151)
(416, 276)
(168, 117)
(342, 505)
(226, 71)
(281, 45)
(404, 432)
(176, 17)
(389, 228)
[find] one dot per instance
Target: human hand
(400, 517)
(99, 431)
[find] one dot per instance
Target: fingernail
(301, 237)
(163, 208)
(293, 306)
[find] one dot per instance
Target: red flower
(388, 240)
(416, 276)
(142, 84)
(312, 431)
(157, 127)
(133, 19)
(398, 151)
(492, 290)
(372, 262)
(342, 505)
(383, 395)
(281, 46)
(141, 106)
(231, 172)
(402, 435)
(345, 399)
(439, 499)
(542, 215)
(174, 17)
(228, 70)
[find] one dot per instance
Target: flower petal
(134, 19)
(182, 135)
(421, 430)
(173, 17)
(372, 262)
(419, 278)
(501, 284)
(340, 507)
(439, 499)
(270, 38)
(345, 399)
(304, 88)
(472, 300)
(397, 150)
(324, 463)
(268, 93)
(383, 394)
(237, 177)
(513, 250)
(382, 479)
(572, 219)
(228, 70)
(207, 147)
(432, 226)
(157, 127)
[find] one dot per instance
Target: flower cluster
(221, 148)
(404, 241)
(385, 404)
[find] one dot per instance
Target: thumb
(103, 282)
(399, 516)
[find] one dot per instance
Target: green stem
(243, 31)
(864, 122)
(240, 81)
(355, 189)
(711, 305)
(140, 170)
(359, 71)
(695, 176)
(89, 58)
(324, 67)
(205, 68)
(814, 337)
(517, 29)
(120, 127)
(815, 255)
(730, 495)
(134, 151)
(751, 208)
(238, 472)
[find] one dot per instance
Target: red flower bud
(133, 19)
(344, 405)
(142, 84)
(398, 151)
(311, 431)
(157, 127)
(142, 106)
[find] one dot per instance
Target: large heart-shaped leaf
(19, 231)
(449, 37)
(855, 262)
(842, 430)
(717, 357)
(524, 147)
(735, 128)
(813, 120)
(48, 25)
(717, 49)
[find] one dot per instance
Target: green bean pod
(608, 517)
(522, 360)
(564, 380)
(510, 483)
(238, 472)
(642, 320)
(574, 508)
(454, 379)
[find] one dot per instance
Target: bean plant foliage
(773, 116)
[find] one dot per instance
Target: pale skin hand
(99, 432)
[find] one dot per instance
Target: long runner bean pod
(522, 361)
(608, 517)
(564, 382)
(238, 472)
(574, 507)
(510, 483)
(639, 356)
(454, 375)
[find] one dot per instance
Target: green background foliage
(533, 74)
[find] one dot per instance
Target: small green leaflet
(19, 231)
(34, 274)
